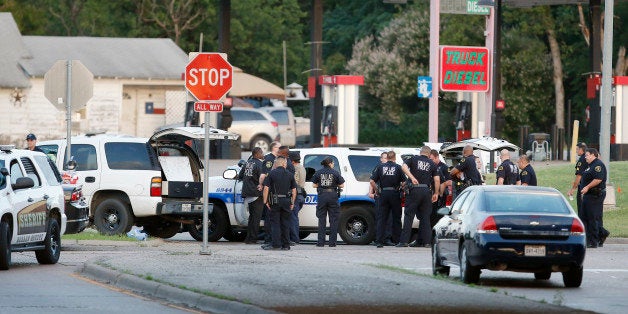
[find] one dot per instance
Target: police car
(357, 210)
(32, 212)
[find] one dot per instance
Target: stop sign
(209, 76)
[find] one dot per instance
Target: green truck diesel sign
(464, 69)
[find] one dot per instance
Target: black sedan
(514, 228)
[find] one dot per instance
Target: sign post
(68, 85)
(208, 77)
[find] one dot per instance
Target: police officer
(376, 196)
(445, 183)
(31, 141)
(299, 177)
(280, 191)
(327, 181)
(593, 193)
(581, 165)
(423, 175)
(387, 179)
(267, 166)
(252, 193)
(507, 172)
(527, 176)
(466, 172)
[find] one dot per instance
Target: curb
(166, 292)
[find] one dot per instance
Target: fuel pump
(339, 125)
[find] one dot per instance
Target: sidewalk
(240, 278)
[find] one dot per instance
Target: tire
(356, 226)
(235, 236)
(544, 275)
(5, 246)
(468, 272)
(437, 266)
(162, 228)
(50, 254)
(303, 234)
(573, 277)
(218, 225)
(112, 216)
(262, 142)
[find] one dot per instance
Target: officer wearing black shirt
(280, 191)
(445, 182)
(581, 166)
(327, 181)
(423, 175)
(252, 193)
(507, 172)
(468, 168)
(527, 176)
(593, 194)
(387, 179)
(267, 166)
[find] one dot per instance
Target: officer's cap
(31, 137)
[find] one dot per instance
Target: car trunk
(533, 227)
(182, 169)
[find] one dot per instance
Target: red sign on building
(209, 76)
(464, 69)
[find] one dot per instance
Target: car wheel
(544, 275)
(52, 250)
(261, 142)
(573, 277)
(5, 246)
(357, 226)
(112, 216)
(218, 224)
(235, 236)
(164, 229)
(437, 267)
(468, 272)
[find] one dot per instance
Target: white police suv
(357, 210)
(32, 212)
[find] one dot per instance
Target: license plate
(186, 208)
(534, 250)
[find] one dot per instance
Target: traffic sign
(464, 69)
(209, 76)
(424, 86)
(208, 106)
(80, 82)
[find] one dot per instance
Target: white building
(138, 84)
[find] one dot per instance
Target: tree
(173, 17)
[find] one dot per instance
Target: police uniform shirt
(581, 166)
(508, 171)
(280, 181)
(269, 160)
(249, 175)
(422, 168)
(468, 167)
(388, 175)
(596, 170)
(528, 176)
(327, 178)
(443, 173)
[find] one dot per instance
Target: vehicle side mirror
(23, 183)
(230, 174)
(4, 171)
(71, 165)
(444, 211)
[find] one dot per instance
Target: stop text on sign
(464, 68)
(211, 77)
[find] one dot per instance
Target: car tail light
(155, 186)
(576, 227)
(76, 195)
(274, 123)
(488, 225)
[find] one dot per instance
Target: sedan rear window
(518, 202)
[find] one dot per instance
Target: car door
(88, 165)
(450, 229)
(312, 163)
(30, 203)
(285, 119)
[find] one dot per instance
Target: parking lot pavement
(237, 277)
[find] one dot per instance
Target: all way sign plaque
(208, 106)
